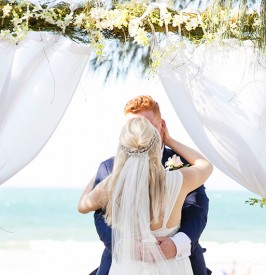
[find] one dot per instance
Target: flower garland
(90, 23)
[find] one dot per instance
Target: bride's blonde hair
(139, 136)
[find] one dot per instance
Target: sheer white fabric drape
(37, 80)
(219, 93)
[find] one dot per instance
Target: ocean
(51, 214)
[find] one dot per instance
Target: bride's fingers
(145, 251)
(160, 240)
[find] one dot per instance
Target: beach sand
(78, 258)
(241, 258)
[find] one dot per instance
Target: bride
(143, 201)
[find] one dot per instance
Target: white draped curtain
(218, 92)
(38, 78)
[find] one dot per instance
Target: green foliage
(216, 21)
(253, 201)
(132, 29)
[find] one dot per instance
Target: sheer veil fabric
(135, 250)
(218, 92)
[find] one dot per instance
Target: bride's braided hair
(138, 138)
(139, 152)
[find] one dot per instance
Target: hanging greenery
(90, 23)
(261, 202)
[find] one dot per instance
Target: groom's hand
(167, 246)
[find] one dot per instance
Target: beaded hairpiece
(140, 151)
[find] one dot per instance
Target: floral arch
(211, 62)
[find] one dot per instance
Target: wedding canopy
(217, 90)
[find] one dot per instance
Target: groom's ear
(163, 126)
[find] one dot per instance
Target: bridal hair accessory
(140, 151)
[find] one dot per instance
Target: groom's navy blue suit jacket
(193, 221)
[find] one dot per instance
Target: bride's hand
(166, 135)
(144, 250)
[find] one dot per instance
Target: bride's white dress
(126, 259)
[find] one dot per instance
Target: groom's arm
(103, 230)
(194, 215)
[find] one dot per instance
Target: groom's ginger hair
(140, 104)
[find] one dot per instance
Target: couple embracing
(148, 217)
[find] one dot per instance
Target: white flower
(194, 22)
(48, 17)
(50, 20)
(6, 10)
(119, 18)
(68, 17)
(257, 23)
(37, 9)
(64, 23)
(5, 34)
(16, 21)
(141, 37)
(98, 13)
(79, 19)
(174, 163)
(179, 19)
(215, 19)
(133, 26)
(189, 26)
(167, 18)
(105, 24)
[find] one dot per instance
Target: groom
(194, 213)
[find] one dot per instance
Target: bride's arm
(91, 200)
(194, 214)
(200, 169)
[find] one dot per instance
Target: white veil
(134, 248)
